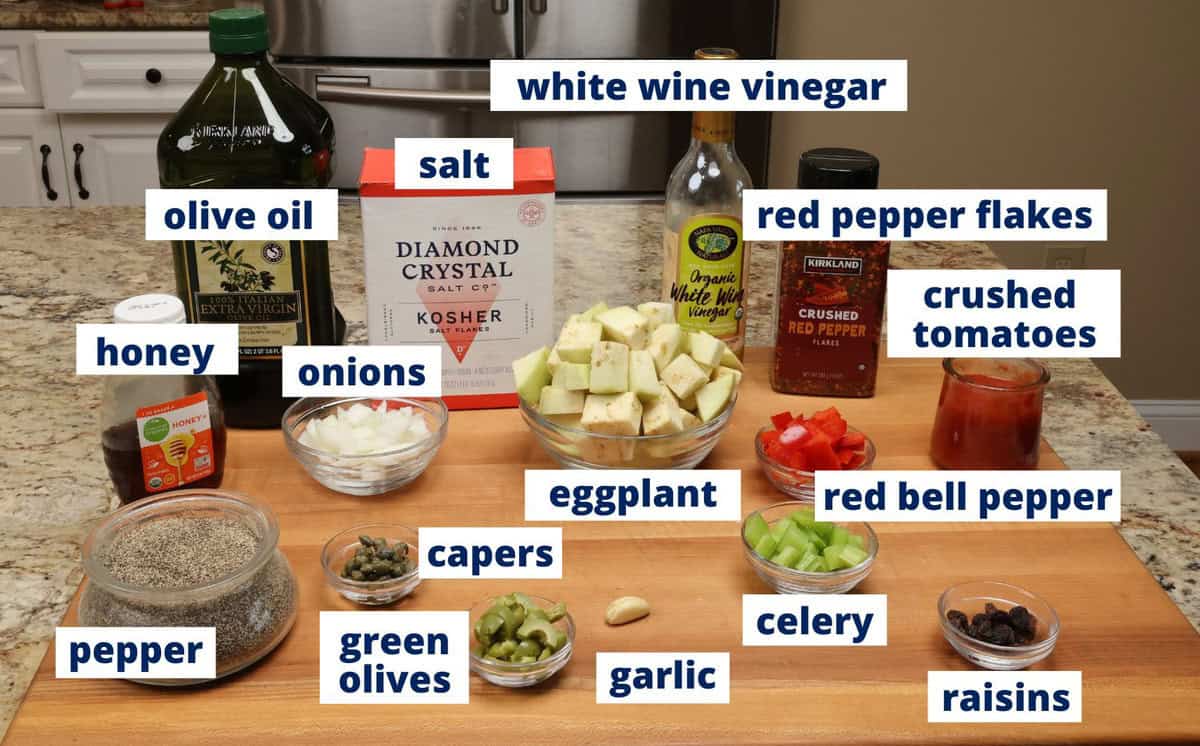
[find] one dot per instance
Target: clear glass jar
(989, 414)
(160, 433)
(252, 608)
(706, 262)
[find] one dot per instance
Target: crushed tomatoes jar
(830, 310)
(989, 414)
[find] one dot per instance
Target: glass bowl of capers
(374, 564)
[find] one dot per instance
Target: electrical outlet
(1066, 256)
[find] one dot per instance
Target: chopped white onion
(360, 430)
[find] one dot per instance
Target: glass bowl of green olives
(519, 640)
(374, 564)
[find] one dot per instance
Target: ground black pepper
(162, 556)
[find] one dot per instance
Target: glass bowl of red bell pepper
(793, 447)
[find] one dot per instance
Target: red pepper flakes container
(830, 311)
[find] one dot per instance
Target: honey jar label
(176, 442)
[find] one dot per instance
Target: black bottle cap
(838, 168)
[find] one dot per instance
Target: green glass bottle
(247, 126)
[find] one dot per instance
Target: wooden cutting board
(1139, 657)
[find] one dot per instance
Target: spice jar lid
(838, 168)
(152, 308)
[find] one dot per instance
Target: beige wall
(1040, 93)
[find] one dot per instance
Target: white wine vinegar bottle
(705, 261)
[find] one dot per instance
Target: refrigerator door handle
(356, 93)
(500, 7)
(537, 7)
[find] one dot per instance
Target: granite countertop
(82, 15)
(64, 266)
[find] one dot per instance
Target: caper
(374, 559)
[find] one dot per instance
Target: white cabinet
(19, 85)
(104, 96)
(32, 167)
(111, 157)
(121, 71)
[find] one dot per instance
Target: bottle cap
(716, 53)
(838, 168)
(237, 31)
(154, 308)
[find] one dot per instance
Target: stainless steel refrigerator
(419, 68)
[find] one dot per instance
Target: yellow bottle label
(708, 289)
(257, 285)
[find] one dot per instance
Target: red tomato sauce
(989, 420)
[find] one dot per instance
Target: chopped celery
(838, 536)
(853, 556)
(786, 556)
(817, 540)
(808, 563)
(823, 529)
(778, 528)
(756, 528)
(800, 542)
(794, 537)
(766, 546)
(833, 557)
(804, 517)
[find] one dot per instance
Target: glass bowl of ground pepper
(374, 564)
(997, 626)
(193, 558)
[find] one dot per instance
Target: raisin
(1023, 623)
(1013, 627)
(1002, 634)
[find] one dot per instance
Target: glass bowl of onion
(364, 446)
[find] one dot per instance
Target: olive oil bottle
(246, 126)
(705, 261)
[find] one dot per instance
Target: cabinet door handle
(83, 193)
(499, 7)
(154, 76)
(537, 7)
(50, 193)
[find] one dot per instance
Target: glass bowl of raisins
(997, 626)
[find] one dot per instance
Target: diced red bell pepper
(770, 440)
(853, 441)
(782, 420)
(819, 451)
(795, 434)
(858, 460)
(795, 459)
(830, 421)
(844, 455)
